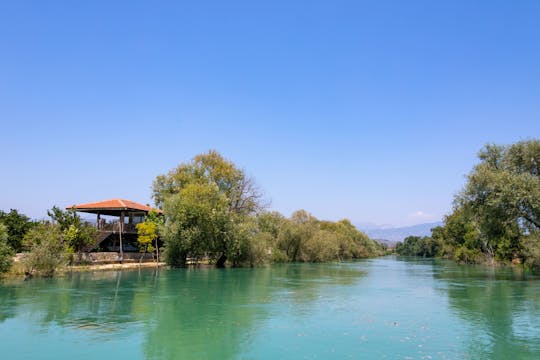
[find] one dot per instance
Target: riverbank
(92, 262)
(119, 266)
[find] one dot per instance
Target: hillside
(393, 235)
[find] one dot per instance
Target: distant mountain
(393, 235)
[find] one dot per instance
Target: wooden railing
(114, 226)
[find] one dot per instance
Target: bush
(468, 256)
(253, 250)
(48, 250)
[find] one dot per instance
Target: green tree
(17, 226)
(80, 236)
(243, 196)
(499, 208)
(418, 246)
(6, 252)
(295, 234)
(148, 233)
(205, 201)
(305, 238)
(198, 224)
(146, 236)
(251, 247)
(213, 211)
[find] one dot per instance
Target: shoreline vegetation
(215, 214)
(496, 217)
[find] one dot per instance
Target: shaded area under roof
(113, 207)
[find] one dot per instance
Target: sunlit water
(382, 308)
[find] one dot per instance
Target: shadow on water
(500, 305)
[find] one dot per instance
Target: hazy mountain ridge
(393, 235)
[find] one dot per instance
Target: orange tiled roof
(114, 204)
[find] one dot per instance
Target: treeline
(424, 246)
(213, 211)
(496, 217)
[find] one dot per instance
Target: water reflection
(95, 301)
(211, 314)
(501, 305)
(200, 313)
(375, 308)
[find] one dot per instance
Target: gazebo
(129, 214)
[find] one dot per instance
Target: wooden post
(120, 235)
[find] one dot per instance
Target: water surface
(382, 308)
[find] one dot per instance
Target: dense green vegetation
(47, 245)
(214, 211)
(53, 244)
(13, 229)
(17, 226)
(79, 235)
(418, 246)
(6, 252)
(496, 217)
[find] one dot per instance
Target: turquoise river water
(374, 309)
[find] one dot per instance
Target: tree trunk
(181, 260)
(221, 261)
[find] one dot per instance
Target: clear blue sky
(369, 110)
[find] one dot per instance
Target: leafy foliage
(48, 247)
(418, 246)
(212, 170)
(79, 235)
(214, 211)
(497, 214)
(17, 226)
(305, 238)
(198, 224)
(146, 236)
(6, 252)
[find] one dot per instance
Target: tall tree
(204, 202)
(243, 196)
(500, 205)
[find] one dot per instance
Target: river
(373, 309)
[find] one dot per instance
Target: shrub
(48, 250)
(468, 256)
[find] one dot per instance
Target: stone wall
(112, 257)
